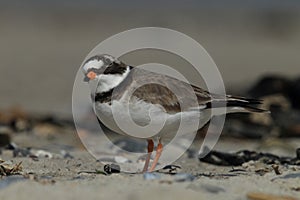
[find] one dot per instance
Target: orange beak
(91, 75)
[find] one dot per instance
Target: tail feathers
(246, 109)
(237, 104)
(254, 109)
(244, 99)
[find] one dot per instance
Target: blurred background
(43, 43)
(255, 44)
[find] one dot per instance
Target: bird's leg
(150, 149)
(159, 149)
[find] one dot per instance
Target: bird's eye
(107, 60)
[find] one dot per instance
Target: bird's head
(97, 65)
(105, 71)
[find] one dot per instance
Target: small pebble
(276, 169)
(66, 154)
(170, 169)
(12, 146)
(42, 154)
(20, 152)
(151, 176)
(112, 168)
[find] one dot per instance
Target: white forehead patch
(109, 57)
(97, 64)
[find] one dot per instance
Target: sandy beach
(81, 175)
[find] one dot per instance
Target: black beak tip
(86, 79)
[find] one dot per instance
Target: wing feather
(175, 95)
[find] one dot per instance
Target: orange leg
(158, 154)
(150, 150)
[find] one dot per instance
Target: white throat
(106, 82)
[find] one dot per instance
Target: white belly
(163, 125)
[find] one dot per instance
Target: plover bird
(110, 81)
